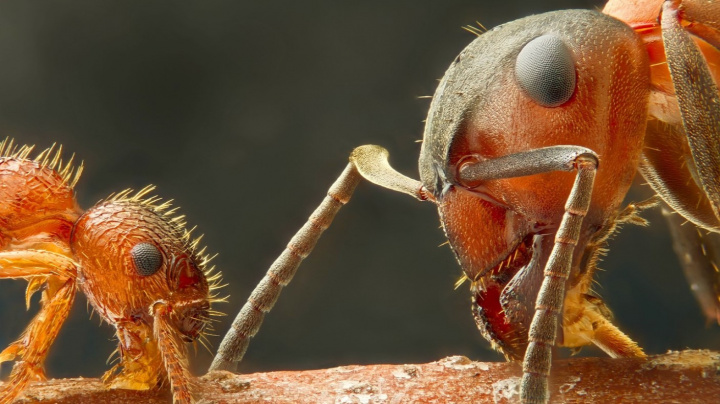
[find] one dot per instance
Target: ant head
(565, 78)
(133, 253)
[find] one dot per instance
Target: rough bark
(685, 377)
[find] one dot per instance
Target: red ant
(130, 255)
(531, 143)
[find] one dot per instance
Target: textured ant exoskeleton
(130, 255)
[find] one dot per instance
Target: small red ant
(130, 255)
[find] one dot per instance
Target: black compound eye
(545, 70)
(147, 258)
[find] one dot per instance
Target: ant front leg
(174, 353)
(369, 162)
(550, 298)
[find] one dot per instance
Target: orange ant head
(134, 254)
(568, 78)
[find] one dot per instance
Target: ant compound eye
(545, 70)
(147, 258)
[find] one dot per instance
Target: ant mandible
(130, 255)
(531, 143)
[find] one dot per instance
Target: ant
(532, 141)
(131, 256)
(410, 280)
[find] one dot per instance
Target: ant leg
(369, 162)
(35, 342)
(40, 267)
(610, 339)
(31, 263)
(36, 266)
(699, 254)
(174, 354)
(698, 100)
(550, 298)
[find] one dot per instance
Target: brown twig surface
(676, 377)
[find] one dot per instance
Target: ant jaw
(498, 316)
(493, 245)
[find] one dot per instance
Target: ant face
(133, 254)
(530, 84)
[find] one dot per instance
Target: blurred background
(244, 113)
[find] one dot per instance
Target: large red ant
(566, 91)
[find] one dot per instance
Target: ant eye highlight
(545, 70)
(147, 259)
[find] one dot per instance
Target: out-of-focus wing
(699, 254)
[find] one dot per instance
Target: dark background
(244, 113)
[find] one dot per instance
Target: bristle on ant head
(477, 31)
(167, 211)
(461, 280)
(9, 149)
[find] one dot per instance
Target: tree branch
(687, 377)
